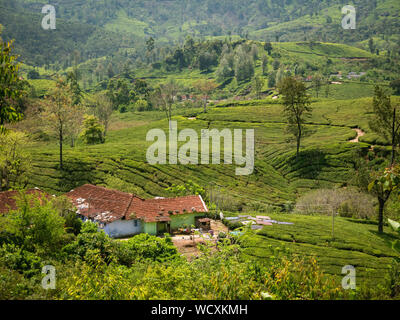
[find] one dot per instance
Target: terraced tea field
(326, 159)
(355, 243)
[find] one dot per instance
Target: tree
(244, 64)
(93, 131)
(15, 161)
(382, 186)
(395, 85)
(10, 90)
(149, 48)
(317, 82)
(103, 111)
(296, 107)
(268, 47)
(386, 119)
(188, 188)
(271, 79)
(206, 61)
(327, 88)
(110, 71)
(33, 74)
(258, 84)
(118, 92)
(226, 67)
(141, 105)
(73, 129)
(206, 87)
(280, 76)
(264, 65)
(276, 64)
(59, 112)
(72, 80)
(371, 45)
(67, 211)
(164, 97)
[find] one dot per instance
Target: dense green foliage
(10, 90)
(130, 66)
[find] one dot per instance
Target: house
(8, 198)
(122, 214)
(336, 75)
(354, 75)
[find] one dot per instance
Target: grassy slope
(325, 161)
(326, 158)
(354, 244)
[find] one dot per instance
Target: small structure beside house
(204, 224)
(122, 214)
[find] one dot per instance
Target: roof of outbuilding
(108, 205)
(8, 198)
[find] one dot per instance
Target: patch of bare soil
(187, 244)
(360, 133)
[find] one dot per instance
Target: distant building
(308, 79)
(355, 75)
(336, 75)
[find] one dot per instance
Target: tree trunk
(298, 140)
(380, 218)
(298, 148)
(393, 137)
(61, 148)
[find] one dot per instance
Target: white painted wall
(123, 228)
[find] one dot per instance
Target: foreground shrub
(294, 278)
(145, 246)
(20, 260)
(91, 239)
(36, 225)
(218, 275)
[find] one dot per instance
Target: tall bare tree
(317, 83)
(205, 87)
(258, 84)
(60, 112)
(164, 97)
(103, 111)
(297, 107)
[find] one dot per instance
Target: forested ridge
(100, 28)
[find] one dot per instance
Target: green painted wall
(179, 220)
(150, 228)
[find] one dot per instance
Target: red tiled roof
(8, 198)
(100, 203)
(109, 205)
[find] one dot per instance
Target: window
(135, 223)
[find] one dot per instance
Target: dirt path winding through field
(360, 133)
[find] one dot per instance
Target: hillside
(153, 212)
(354, 243)
(327, 158)
(102, 28)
